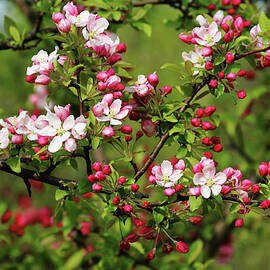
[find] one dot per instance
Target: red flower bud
(134, 187)
(239, 222)
(182, 247)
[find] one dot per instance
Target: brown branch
(61, 183)
(165, 136)
(181, 198)
(239, 56)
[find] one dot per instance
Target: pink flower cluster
(102, 42)
(42, 65)
(52, 129)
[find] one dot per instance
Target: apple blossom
(4, 138)
(209, 181)
(114, 113)
(165, 175)
(207, 36)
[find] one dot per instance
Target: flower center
(210, 182)
(166, 179)
(92, 35)
(209, 39)
(60, 131)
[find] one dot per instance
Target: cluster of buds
(264, 169)
(214, 142)
(201, 113)
(101, 175)
(108, 80)
(28, 216)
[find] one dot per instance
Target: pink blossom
(113, 112)
(42, 79)
(218, 17)
(141, 87)
(207, 36)
(62, 112)
(108, 132)
(42, 62)
(82, 19)
(79, 128)
(148, 127)
(71, 12)
(70, 145)
(4, 138)
(57, 17)
(165, 175)
(195, 191)
(254, 34)
(196, 58)
(64, 26)
(95, 26)
(209, 181)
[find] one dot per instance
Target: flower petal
(115, 107)
(55, 144)
(115, 122)
(122, 114)
(199, 179)
(69, 123)
(220, 178)
(166, 168)
(209, 171)
(216, 189)
(176, 175)
(205, 191)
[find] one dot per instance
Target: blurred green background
(149, 54)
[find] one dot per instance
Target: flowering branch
(165, 136)
(239, 56)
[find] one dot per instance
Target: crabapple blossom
(165, 175)
(82, 19)
(95, 26)
(209, 181)
(113, 113)
(70, 145)
(79, 128)
(196, 58)
(207, 36)
(142, 87)
(42, 62)
(4, 138)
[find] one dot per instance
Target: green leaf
(7, 23)
(188, 67)
(181, 152)
(195, 251)
(235, 207)
(141, 13)
(189, 136)
(15, 33)
(173, 67)
(178, 128)
(60, 194)
(158, 215)
(264, 22)
(95, 142)
(14, 163)
(73, 69)
(74, 260)
(146, 28)
(116, 15)
(171, 118)
(219, 91)
(195, 202)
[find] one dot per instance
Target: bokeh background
(245, 145)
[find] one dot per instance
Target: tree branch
(239, 56)
(165, 136)
(41, 177)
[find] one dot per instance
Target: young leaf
(195, 202)
(14, 163)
